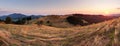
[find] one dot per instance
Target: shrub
(75, 20)
(39, 22)
(48, 21)
(8, 20)
(21, 21)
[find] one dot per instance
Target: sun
(106, 12)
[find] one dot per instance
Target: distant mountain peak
(15, 16)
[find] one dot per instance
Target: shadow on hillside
(83, 20)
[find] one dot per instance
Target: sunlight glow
(106, 12)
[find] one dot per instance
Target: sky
(60, 6)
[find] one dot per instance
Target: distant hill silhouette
(13, 16)
(16, 16)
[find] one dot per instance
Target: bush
(48, 21)
(23, 21)
(39, 22)
(8, 20)
(75, 20)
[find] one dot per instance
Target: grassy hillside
(101, 34)
(63, 21)
(54, 21)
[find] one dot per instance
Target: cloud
(4, 13)
(117, 8)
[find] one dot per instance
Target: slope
(63, 21)
(101, 34)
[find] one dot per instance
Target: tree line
(20, 21)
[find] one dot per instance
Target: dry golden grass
(101, 34)
(54, 21)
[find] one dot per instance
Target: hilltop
(101, 34)
(60, 21)
(71, 20)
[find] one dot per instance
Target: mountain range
(16, 16)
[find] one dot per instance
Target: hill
(53, 20)
(102, 34)
(17, 16)
(71, 20)
(14, 16)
